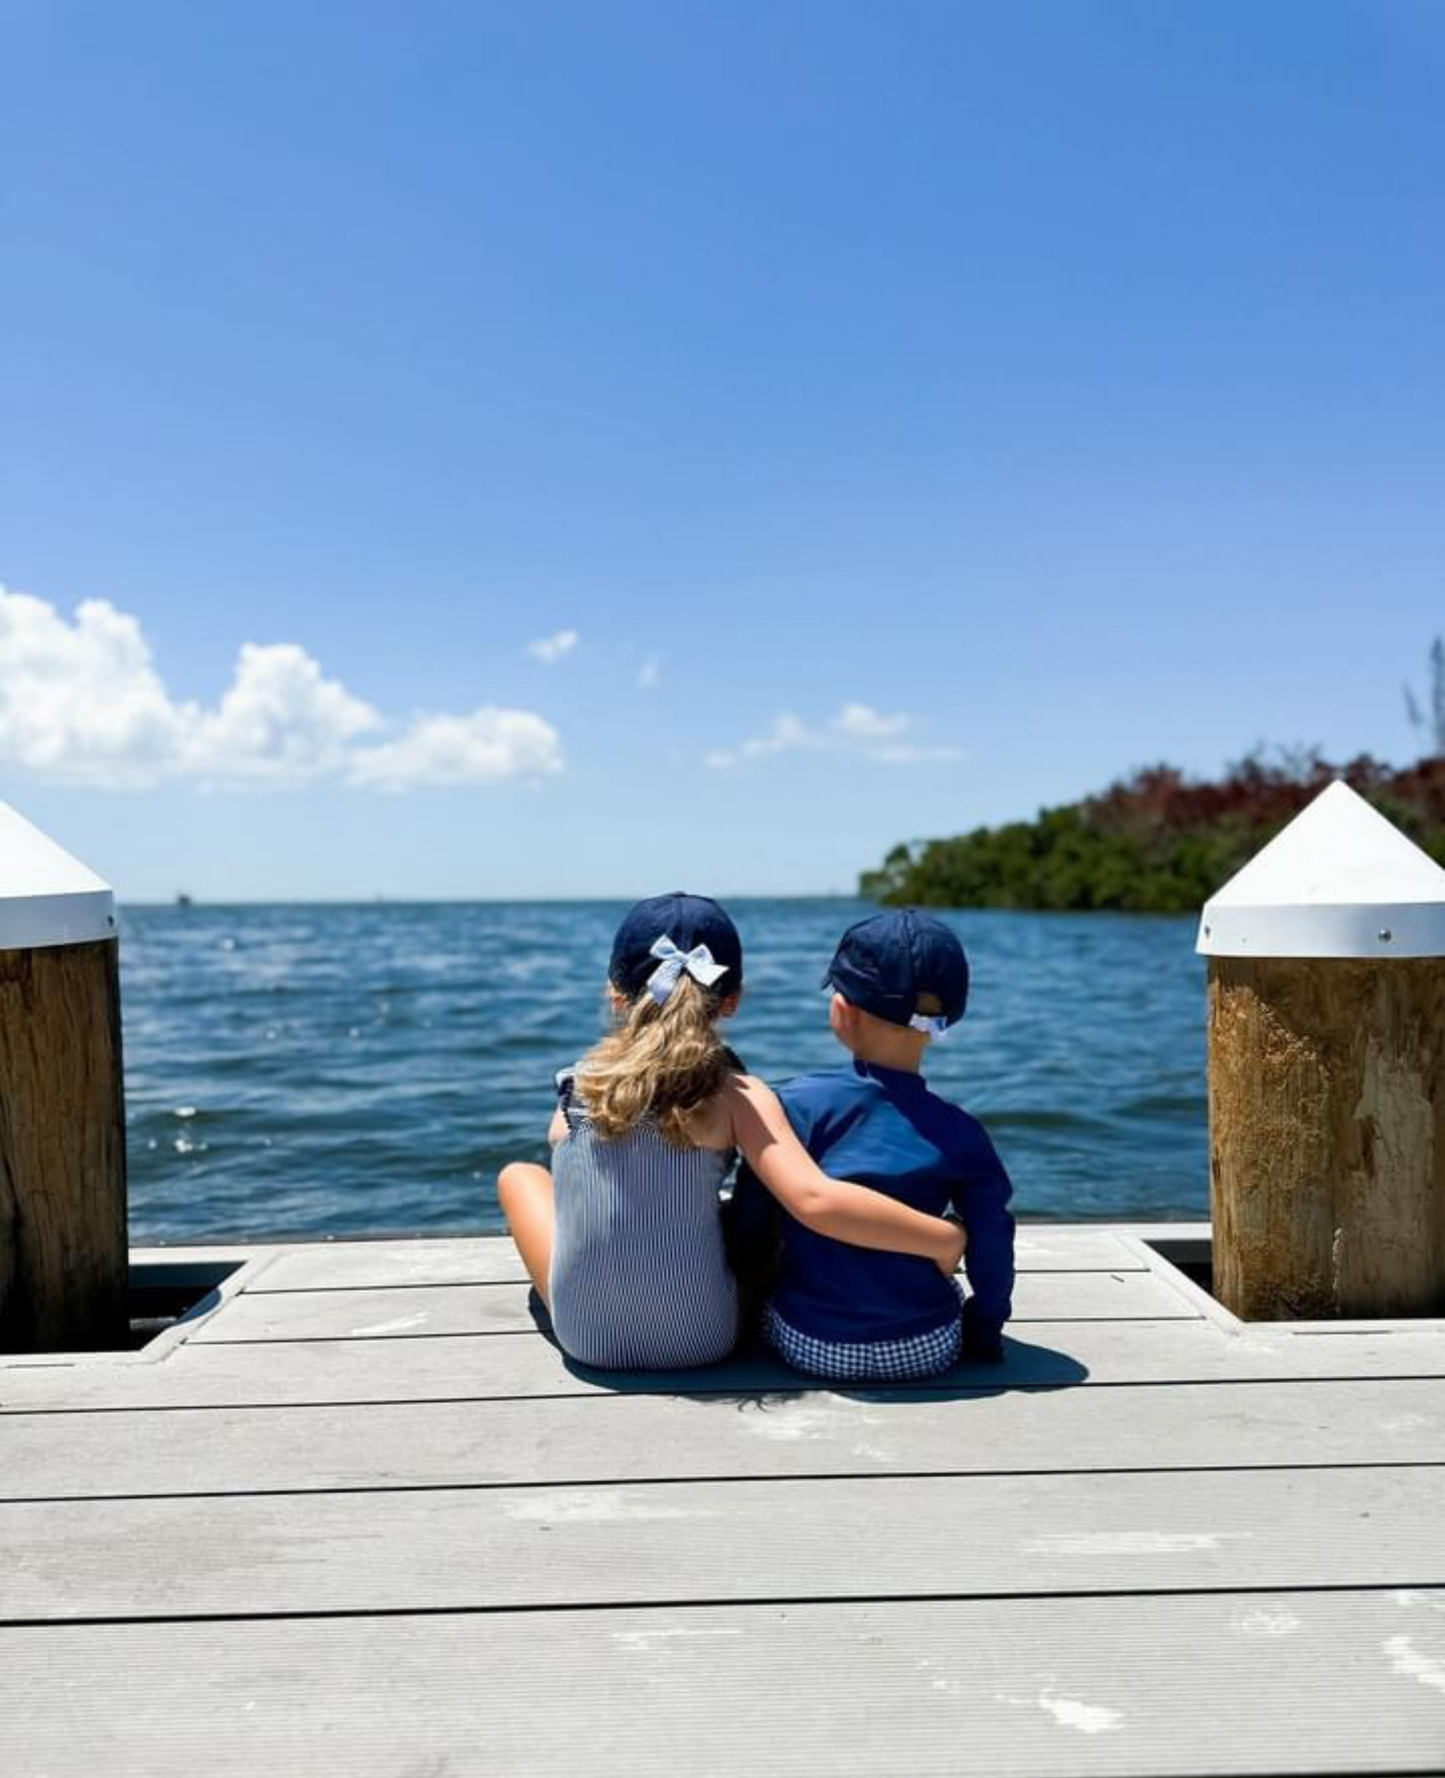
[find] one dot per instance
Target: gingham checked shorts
(858, 1361)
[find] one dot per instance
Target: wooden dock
(359, 1516)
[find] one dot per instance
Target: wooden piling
(1327, 1072)
(1327, 1136)
(62, 1119)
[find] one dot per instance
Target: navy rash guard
(882, 1127)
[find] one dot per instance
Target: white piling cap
(1339, 881)
(46, 896)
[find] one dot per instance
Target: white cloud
(647, 673)
(786, 733)
(81, 702)
(280, 719)
(859, 723)
(488, 744)
(856, 730)
(550, 649)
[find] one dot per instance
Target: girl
(623, 1239)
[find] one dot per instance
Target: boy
(898, 980)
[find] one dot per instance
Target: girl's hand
(951, 1249)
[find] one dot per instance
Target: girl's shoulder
(737, 1105)
(710, 1125)
(714, 1124)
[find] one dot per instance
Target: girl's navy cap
(885, 962)
(689, 921)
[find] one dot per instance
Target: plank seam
(575, 1483)
(755, 1602)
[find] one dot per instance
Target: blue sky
(916, 414)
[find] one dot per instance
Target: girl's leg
(525, 1191)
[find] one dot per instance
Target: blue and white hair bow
(698, 963)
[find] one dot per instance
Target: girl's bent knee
(510, 1185)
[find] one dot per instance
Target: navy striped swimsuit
(639, 1277)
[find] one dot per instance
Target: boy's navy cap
(689, 921)
(885, 962)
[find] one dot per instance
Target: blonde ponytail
(661, 1061)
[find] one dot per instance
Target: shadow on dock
(754, 1374)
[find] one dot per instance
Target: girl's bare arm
(829, 1206)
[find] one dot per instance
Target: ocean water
(328, 1069)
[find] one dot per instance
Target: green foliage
(1155, 842)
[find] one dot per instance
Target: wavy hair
(660, 1062)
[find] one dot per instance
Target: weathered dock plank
(1102, 1354)
(646, 1437)
(429, 1310)
(1099, 1687)
(681, 1542)
(378, 1265)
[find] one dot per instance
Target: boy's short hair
(891, 964)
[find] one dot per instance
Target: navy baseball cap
(885, 962)
(689, 921)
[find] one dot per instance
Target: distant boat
(183, 900)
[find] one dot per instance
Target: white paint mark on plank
(1129, 1543)
(1406, 1660)
(875, 1453)
(641, 1641)
(1413, 1596)
(1069, 1713)
(798, 1418)
(1266, 1623)
(941, 1684)
(567, 1506)
(403, 1324)
(1074, 1713)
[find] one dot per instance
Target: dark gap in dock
(162, 1293)
(1193, 1257)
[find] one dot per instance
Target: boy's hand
(951, 1247)
(981, 1344)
